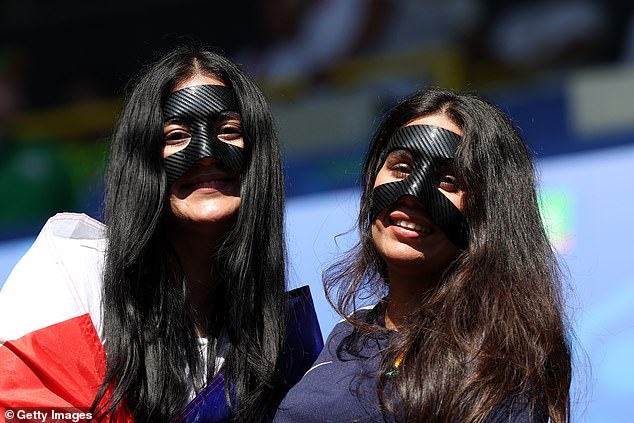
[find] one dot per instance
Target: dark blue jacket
(342, 388)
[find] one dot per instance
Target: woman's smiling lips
(407, 224)
(207, 181)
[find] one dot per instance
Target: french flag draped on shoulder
(51, 343)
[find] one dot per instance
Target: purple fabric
(303, 344)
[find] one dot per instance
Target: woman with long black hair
(187, 277)
(470, 323)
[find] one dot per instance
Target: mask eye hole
(229, 129)
(176, 137)
(446, 179)
(399, 164)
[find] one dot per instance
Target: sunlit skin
(203, 203)
(415, 257)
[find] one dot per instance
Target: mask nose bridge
(421, 181)
(203, 138)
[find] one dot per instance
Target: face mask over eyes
(429, 146)
(198, 108)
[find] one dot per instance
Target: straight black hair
(153, 355)
(493, 332)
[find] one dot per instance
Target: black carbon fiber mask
(198, 107)
(429, 146)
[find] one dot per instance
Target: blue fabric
(303, 344)
(342, 388)
(337, 389)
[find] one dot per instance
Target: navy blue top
(342, 388)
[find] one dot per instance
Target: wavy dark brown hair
(149, 330)
(492, 335)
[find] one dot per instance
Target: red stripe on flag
(61, 365)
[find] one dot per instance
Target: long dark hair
(153, 356)
(493, 332)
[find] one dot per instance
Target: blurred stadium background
(563, 70)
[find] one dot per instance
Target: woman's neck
(405, 293)
(196, 256)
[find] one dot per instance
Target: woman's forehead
(436, 119)
(197, 79)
